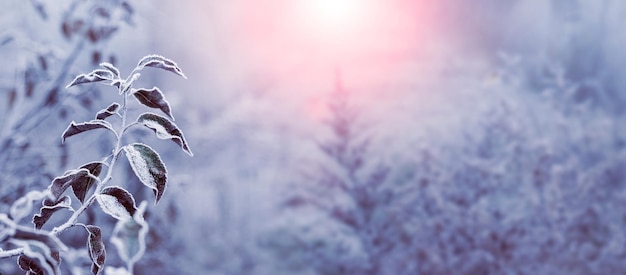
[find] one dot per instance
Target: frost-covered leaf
(30, 265)
(164, 129)
(95, 167)
(129, 236)
(48, 208)
(81, 186)
(38, 257)
(79, 176)
(111, 68)
(95, 246)
(153, 98)
(24, 205)
(157, 61)
(148, 167)
(109, 111)
(117, 202)
(77, 128)
(117, 83)
(23, 234)
(40, 246)
(92, 77)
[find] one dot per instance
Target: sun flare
(330, 15)
(335, 11)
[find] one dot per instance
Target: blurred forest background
(432, 137)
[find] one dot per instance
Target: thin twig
(11, 253)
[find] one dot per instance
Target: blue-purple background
(500, 125)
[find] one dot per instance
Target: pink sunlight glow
(299, 45)
(370, 42)
(332, 17)
(281, 32)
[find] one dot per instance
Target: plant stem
(11, 253)
(74, 218)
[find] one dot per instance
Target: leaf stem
(128, 126)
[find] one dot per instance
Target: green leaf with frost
(92, 77)
(117, 202)
(48, 208)
(38, 257)
(108, 111)
(81, 186)
(78, 176)
(111, 68)
(148, 166)
(96, 249)
(77, 128)
(157, 61)
(164, 129)
(153, 98)
(129, 236)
